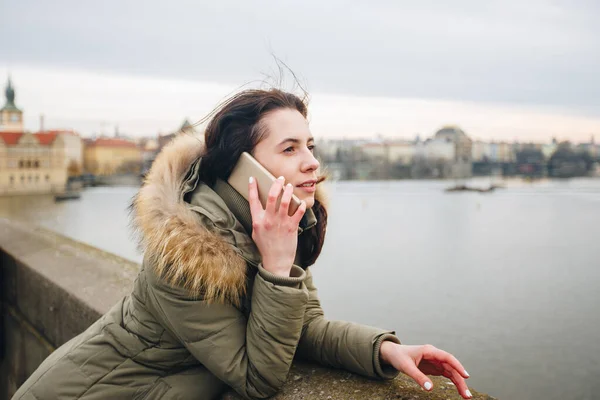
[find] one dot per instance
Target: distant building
(374, 150)
(32, 163)
(73, 148)
(334, 150)
(11, 118)
(462, 143)
(433, 158)
(439, 149)
(493, 152)
(481, 151)
(327, 149)
(186, 127)
(402, 151)
(394, 151)
(461, 158)
(502, 152)
(109, 156)
(591, 148)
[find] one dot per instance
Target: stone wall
(53, 288)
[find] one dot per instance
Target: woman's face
(287, 150)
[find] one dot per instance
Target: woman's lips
(309, 189)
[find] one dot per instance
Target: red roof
(45, 138)
(48, 136)
(10, 138)
(62, 131)
(111, 142)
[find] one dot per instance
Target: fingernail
(251, 179)
(466, 373)
(289, 185)
(280, 178)
(468, 393)
(427, 385)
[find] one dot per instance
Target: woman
(225, 296)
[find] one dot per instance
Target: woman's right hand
(420, 361)
(274, 231)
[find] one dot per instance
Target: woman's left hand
(420, 361)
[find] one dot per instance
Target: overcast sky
(500, 69)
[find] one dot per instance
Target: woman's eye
(312, 147)
(288, 150)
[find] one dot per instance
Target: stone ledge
(59, 286)
(308, 382)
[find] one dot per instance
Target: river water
(508, 281)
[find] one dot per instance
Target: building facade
(73, 151)
(393, 151)
(31, 163)
(462, 166)
(463, 145)
(110, 156)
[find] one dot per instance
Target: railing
(53, 288)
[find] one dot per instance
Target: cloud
(538, 52)
(93, 102)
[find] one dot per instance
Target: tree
(74, 169)
(130, 167)
(566, 162)
(530, 162)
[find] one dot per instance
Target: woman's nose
(312, 163)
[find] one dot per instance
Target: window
(28, 163)
(14, 117)
(21, 164)
(37, 178)
(47, 178)
(12, 180)
(22, 179)
(36, 164)
(29, 179)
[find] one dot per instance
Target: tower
(11, 118)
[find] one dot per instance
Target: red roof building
(110, 143)
(44, 138)
(10, 138)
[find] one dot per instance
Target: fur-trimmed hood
(203, 247)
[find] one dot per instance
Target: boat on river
(466, 188)
(69, 195)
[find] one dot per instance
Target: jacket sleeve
(341, 344)
(252, 355)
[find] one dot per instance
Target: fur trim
(181, 249)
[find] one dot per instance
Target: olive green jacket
(203, 314)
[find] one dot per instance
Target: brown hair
(235, 127)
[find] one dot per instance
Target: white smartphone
(246, 167)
